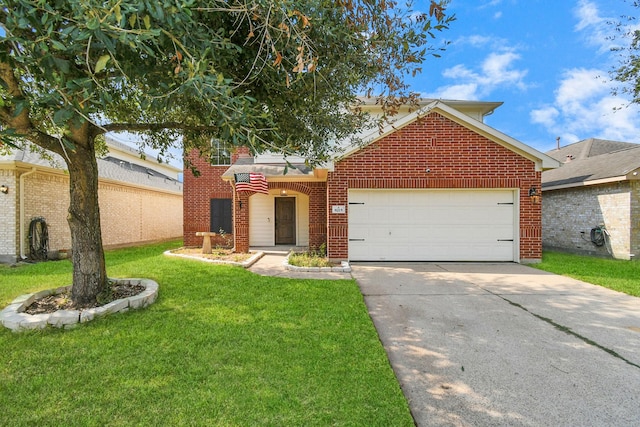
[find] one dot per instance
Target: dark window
(220, 152)
(221, 216)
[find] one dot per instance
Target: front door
(285, 220)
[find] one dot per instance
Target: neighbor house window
(220, 153)
(221, 216)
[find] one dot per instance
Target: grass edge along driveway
(221, 346)
(615, 274)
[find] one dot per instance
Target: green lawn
(619, 275)
(221, 346)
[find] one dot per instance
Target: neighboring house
(140, 200)
(437, 185)
(591, 204)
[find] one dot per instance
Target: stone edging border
(344, 267)
(245, 264)
(14, 318)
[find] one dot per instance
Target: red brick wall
(457, 158)
(317, 192)
(198, 191)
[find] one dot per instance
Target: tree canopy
(272, 74)
(279, 75)
(628, 70)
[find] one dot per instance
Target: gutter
(585, 183)
(22, 176)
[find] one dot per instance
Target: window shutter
(221, 216)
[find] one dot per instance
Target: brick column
(241, 221)
(337, 232)
(317, 215)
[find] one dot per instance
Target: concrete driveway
(505, 344)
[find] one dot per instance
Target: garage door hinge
(356, 240)
(356, 203)
(505, 240)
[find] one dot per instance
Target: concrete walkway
(272, 264)
(506, 344)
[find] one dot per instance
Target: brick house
(437, 185)
(140, 200)
(596, 189)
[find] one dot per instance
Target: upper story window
(220, 152)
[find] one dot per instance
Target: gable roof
(593, 161)
(475, 109)
(541, 160)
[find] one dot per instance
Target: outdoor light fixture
(283, 192)
(4, 189)
(534, 196)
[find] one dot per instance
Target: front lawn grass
(221, 346)
(619, 275)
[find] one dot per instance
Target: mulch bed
(217, 254)
(53, 303)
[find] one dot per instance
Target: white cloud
(598, 29)
(588, 14)
(476, 41)
(490, 3)
(464, 91)
(579, 86)
(584, 108)
(546, 116)
(496, 70)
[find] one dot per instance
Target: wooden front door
(285, 220)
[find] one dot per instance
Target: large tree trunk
(89, 271)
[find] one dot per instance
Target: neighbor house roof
(109, 168)
(541, 160)
(593, 161)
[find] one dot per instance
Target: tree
(628, 71)
(271, 74)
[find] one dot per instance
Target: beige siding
(47, 196)
(8, 217)
(129, 215)
(261, 220)
(635, 218)
(302, 220)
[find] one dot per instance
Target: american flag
(251, 182)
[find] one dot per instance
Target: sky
(548, 61)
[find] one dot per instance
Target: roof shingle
(592, 159)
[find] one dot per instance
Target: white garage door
(432, 225)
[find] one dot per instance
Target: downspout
(33, 170)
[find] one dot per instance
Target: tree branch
(20, 122)
(154, 127)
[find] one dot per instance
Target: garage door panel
(379, 215)
(402, 214)
(438, 225)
